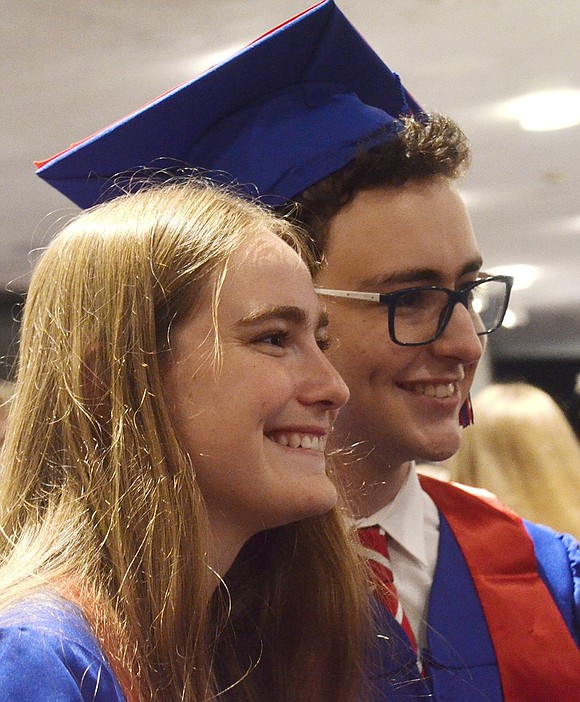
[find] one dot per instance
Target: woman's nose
(324, 384)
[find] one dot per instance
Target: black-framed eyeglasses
(418, 316)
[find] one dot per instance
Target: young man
(490, 606)
(391, 222)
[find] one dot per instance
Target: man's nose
(459, 338)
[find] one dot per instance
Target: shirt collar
(403, 518)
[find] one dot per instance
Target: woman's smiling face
(255, 424)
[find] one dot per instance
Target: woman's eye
(274, 339)
(323, 343)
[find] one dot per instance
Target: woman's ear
(94, 389)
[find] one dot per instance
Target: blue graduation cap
(291, 108)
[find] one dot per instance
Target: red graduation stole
(537, 656)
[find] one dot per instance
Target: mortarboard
(289, 109)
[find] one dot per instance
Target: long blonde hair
(99, 502)
(522, 448)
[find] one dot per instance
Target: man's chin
(441, 449)
(437, 457)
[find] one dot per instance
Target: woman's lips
(314, 442)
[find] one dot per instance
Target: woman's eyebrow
(296, 315)
(286, 313)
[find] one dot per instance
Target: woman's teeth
(442, 390)
(306, 441)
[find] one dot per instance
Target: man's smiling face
(404, 401)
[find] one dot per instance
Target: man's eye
(323, 343)
(415, 300)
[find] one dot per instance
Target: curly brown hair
(426, 146)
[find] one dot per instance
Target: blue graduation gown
(49, 654)
(460, 659)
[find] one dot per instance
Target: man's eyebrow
(416, 275)
(287, 313)
(473, 266)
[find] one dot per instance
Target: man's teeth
(306, 441)
(442, 390)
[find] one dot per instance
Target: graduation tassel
(466, 413)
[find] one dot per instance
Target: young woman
(168, 524)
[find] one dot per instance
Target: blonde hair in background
(99, 502)
(522, 448)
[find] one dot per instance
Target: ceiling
(72, 67)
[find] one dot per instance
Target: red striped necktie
(376, 551)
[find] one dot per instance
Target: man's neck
(369, 487)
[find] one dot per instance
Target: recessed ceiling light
(524, 274)
(571, 224)
(515, 318)
(471, 198)
(510, 320)
(545, 110)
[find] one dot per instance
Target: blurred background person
(523, 449)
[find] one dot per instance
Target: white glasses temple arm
(352, 294)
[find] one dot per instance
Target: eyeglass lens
(422, 314)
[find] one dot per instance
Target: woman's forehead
(263, 253)
(267, 272)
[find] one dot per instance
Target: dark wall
(10, 310)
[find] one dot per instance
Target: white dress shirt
(411, 521)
